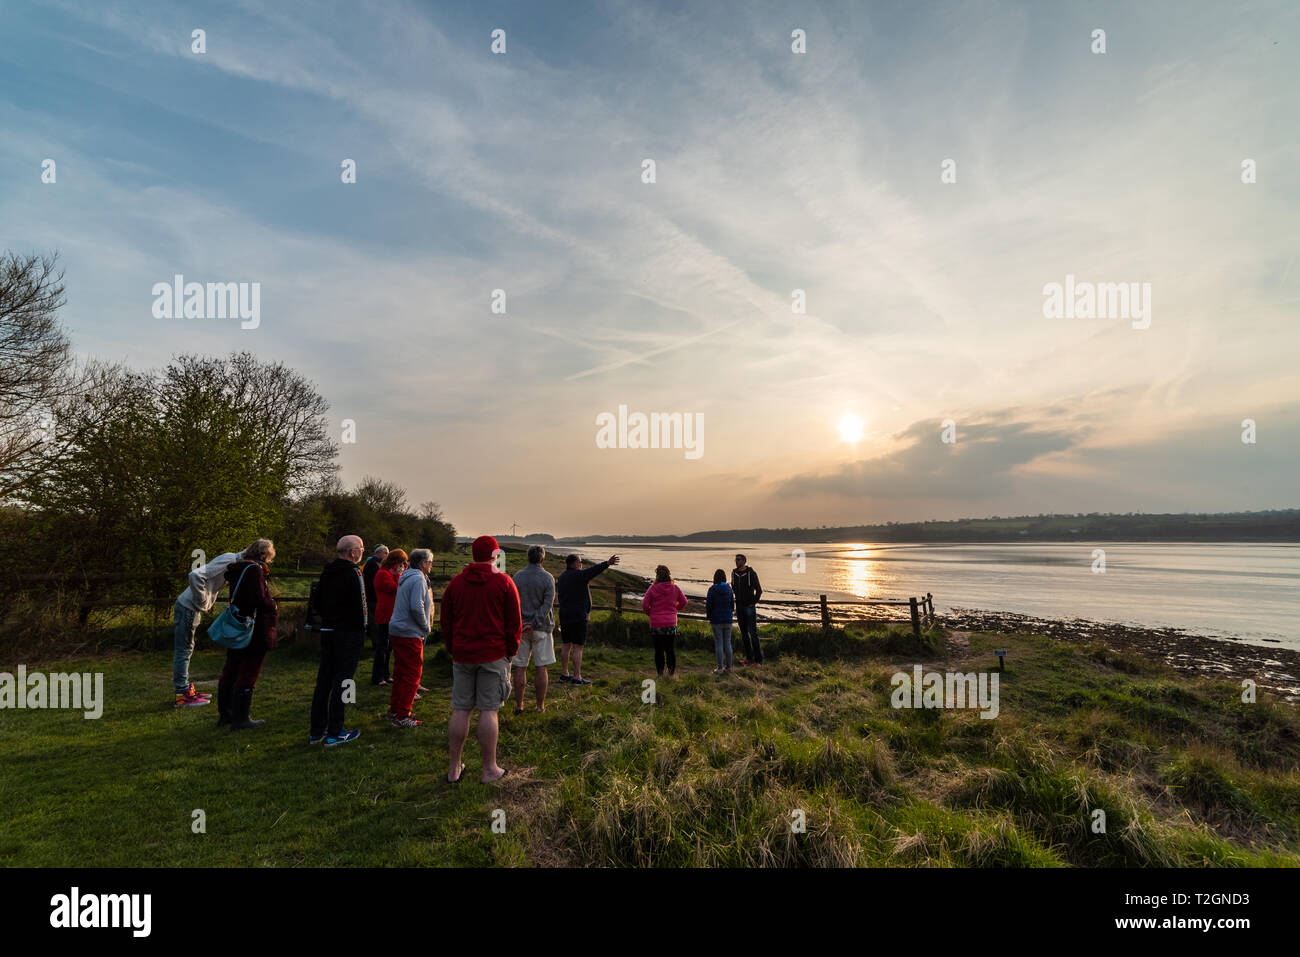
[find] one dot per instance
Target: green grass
(709, 775)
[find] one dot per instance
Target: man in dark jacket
(481, 625)
(368, 571)
(744, 582)
(341, 603)
(574, 599)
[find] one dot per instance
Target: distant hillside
(1282, 525)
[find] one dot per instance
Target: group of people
(493, 626)
(663, 600)
(397, 612)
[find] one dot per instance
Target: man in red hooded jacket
(481, 625)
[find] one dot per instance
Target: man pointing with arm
(575, 608)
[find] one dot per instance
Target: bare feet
(460, 770)
(486, 779)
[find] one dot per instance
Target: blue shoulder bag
(231, 629)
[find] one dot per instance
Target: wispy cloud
(776, 172)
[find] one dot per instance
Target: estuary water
(1247, 590)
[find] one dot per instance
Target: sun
(851, 428)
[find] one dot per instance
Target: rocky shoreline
(1274, 669)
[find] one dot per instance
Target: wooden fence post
(916, 617)
(826, 613)
(929, 602)
(618, 600)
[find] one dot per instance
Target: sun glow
(850, 427)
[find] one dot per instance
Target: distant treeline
(1282, 525)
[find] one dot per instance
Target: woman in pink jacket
(662, 601)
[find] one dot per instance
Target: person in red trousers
(407, 628)
(385, 586)
(249, 595)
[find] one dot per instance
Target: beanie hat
(483, 548)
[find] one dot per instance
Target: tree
(91, 498)
(36, 368)
(156, 465)
(281, 417)
(387, 499)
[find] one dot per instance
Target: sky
(779, 178)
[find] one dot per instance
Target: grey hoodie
(206, 583)
(412, 607)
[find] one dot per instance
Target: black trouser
(383, 654)
(339, 653)
(747, 616)
(665, 639)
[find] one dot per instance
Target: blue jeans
(185, 622)
(722, 644)
(747, 615)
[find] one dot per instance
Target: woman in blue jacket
(719, 606)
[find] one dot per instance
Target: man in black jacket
(341, 603)
(744, 582)
(574, 598)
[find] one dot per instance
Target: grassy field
(710, 774)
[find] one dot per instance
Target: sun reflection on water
(859, 570)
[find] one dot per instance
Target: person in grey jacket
(200, 594)
(536, 597)
(407, 629)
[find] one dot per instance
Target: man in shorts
(575, 608)
(536, 588)
(481, 625)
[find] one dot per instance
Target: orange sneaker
(191, 699)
